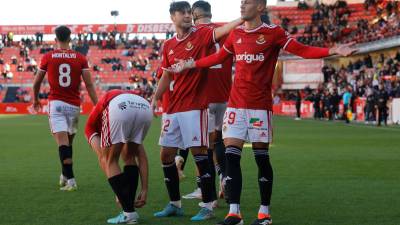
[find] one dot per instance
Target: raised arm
(224, 30)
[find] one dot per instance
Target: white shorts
(216, 113)
(126, 119)
(63, 117)
(185, 129)
(248, 125)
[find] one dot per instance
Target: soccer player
(185, 122)
(65, 69)
(256, 47)
(219, 85)
(118, 124)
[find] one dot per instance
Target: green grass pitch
(325, 174)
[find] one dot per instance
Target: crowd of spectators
(376, 80)
(330, 23)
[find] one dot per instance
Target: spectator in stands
(20, 67)
(347, 103)
(129, 65)
(381, 105)
(1, 46)
(1, 61)
(370, 104)
(298, 105)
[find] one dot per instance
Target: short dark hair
(203, 5)
(264, 2)
(63, 33)
(179, 6)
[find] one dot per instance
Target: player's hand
(154, 106)
(141, 199)
(37, 106)
(182, 65)
(343, 49)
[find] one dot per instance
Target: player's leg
(234, 133)
(194, 130)
(67, 180)
(260, 135)
(219, 152)
(120, 184)
(65, 117)
(170, 140)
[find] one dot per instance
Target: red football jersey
(64, 70)
(256, 52)
(190, 86)
(219, 76)
(94, 122)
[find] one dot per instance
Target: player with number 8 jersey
(65, 69)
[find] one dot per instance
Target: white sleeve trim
(287, 43)
(214, 39)
(227, 50)
(86, 69)
(92, 136)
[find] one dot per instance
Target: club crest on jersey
(189, 46)
(261, 40)
(239, 41)
(122, 106)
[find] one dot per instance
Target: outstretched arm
(222, 31)
(310, 52)
(211, 60)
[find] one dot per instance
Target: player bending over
(118, 124)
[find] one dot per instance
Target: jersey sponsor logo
(171, 52)
(166, 180)
(263, 179)
(263, 134)
(249, 58)
(122, 106)
(195, 139)
(207, 175)
(239, 41)
(228, 178)
(261, 40)
(189, 46)
(256, 122)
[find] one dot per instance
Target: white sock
(208, 205)
(176, 203)
(71, 181)
(264, 209)
(234, 208)
(129, 215)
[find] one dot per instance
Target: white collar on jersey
(192, 29)
(257, 28)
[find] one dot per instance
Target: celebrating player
(185, 122)
(256, 47)
(219, 85)
(119, 123)
(65, 68)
